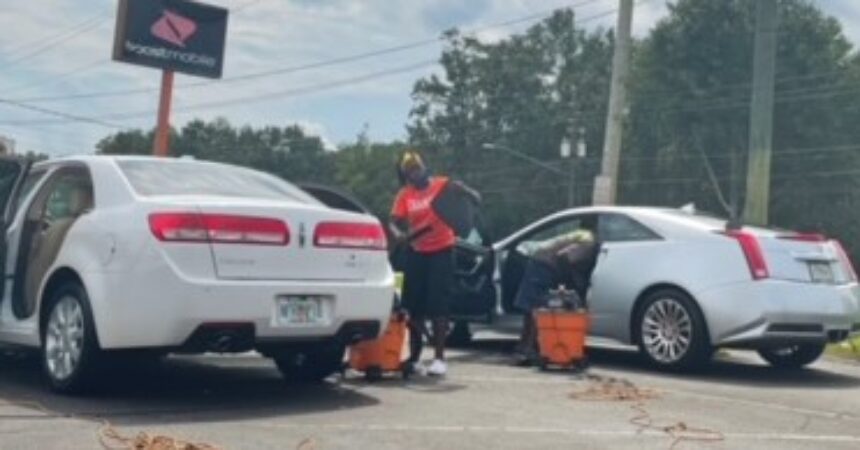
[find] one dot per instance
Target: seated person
(567, 260)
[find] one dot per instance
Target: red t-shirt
(414, 206)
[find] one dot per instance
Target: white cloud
(318, 130)
(266, 35)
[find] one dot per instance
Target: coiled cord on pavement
(610, 389)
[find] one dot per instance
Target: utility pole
(761, 114)
(606, 184)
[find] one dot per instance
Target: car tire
(460, 335)
(311, 365)
(71, 357)
(792, 357)
(671, 331)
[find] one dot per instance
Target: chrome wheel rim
(64, 338)
(667, 330)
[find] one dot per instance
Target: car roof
(650, 215)
(101, 158)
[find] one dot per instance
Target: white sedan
(680, 285)
(109, 254)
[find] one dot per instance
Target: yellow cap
(411, 159)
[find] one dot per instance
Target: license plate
(300, 310)
(821, 272)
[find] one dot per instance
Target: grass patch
(848, 349)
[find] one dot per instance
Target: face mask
(419, 178)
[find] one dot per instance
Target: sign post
(174, 36)
(161, 143)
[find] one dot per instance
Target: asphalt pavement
(240, 402)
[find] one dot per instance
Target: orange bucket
(561, 335)
(383, 354)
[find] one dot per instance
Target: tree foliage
(690, 89)
(526, 93)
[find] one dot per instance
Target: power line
(56, 78)
(40, 42)
(102, 61)
(243, 100)
(251, 99)
(661, 181)
(64, 115)
(53, 44)
(316, 65)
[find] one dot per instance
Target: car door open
(12, 174)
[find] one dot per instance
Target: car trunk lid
(798, 257)
(273, 240)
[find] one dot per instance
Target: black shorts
(427, 283)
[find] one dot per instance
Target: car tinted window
(334, 199)
(155, 178)
(71, 195)
(621, 228)
(67, 194)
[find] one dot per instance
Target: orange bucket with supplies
(561, 336)
(382, 355)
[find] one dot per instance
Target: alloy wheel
(64, 338)
(667, 330)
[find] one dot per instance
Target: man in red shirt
(429, 269)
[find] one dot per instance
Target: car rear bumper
(775, 313)
(144, 310)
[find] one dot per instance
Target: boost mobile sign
(177, 35)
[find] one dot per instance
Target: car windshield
(157, 178)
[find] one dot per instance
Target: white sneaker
(437, 368)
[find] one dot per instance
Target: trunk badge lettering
(302, 235)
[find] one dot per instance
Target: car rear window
(172, 177)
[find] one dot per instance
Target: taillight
(846, 261)
(753, 253)
(218, 228)
(362, 236)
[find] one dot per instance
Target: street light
(567, 153)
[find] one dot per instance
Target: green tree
(690, 94)
(287, 152)
(526, 93)
(367, 170)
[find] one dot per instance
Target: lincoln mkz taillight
(218, 228)
(349, 235)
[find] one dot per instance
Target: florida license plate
(821, 272)
(300, 310)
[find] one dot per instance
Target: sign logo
(173, 28)
(180, 35)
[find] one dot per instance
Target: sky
(55, 48)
